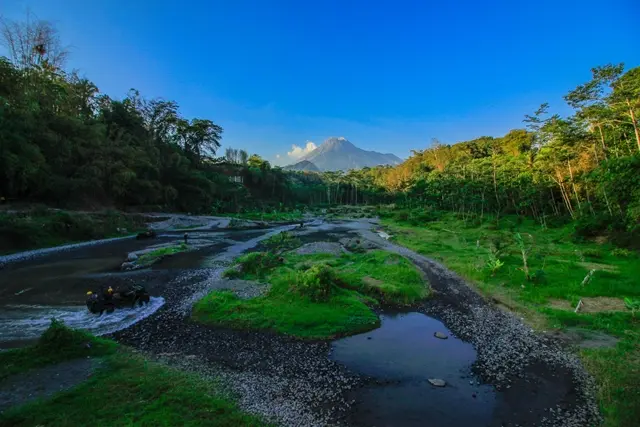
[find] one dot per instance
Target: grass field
(126, 390)
(489, 254)
(317, 296)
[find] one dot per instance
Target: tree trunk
(634, 122)
(604, 147)
(495, 184)
(573, 185)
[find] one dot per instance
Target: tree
(626, 95)
(33, 43)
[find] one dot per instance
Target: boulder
(440, 335)
(437, 382)
(132, 257)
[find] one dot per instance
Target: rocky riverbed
(509, 375)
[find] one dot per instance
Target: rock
(132, 257)
(384, 235)
(437, 382)
(127, 266)
(440, 335)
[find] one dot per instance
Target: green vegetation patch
(558, 268)
(41, 228)
(57, 344)
(315, 296)
(153, 256)
(126, 390)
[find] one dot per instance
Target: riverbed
(495, 369)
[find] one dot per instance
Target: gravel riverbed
(295, 383)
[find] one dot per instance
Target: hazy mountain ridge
(337, 153)
(304, 165)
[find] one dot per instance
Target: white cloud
(277, 156)
(297, 151)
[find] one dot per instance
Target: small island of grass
(318, 296)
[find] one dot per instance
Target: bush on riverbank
(317, 296)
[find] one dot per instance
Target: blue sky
(387, 75)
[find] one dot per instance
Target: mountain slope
(340, 154)
(304, 165)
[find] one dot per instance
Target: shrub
(633, 305)
(316, 283)
(401, 216)
(258, 262)
(281, 242)
(420, 216)
(592, 253)
(626, 237)
(622, 253)
(493, 264)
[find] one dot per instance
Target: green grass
(151, 257)
(41, 228)
(127, 390)
(57, 344)
(559, 265)
(359, 282)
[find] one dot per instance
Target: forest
(64, 143)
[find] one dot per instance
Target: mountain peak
(336, 141)
(338, 153)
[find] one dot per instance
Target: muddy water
(400, 357)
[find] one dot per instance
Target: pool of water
(400, 357)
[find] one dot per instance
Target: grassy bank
(315, 296)
(155, 255)
(57, 344)
(490, 254)
(41, 228)
(125, 390)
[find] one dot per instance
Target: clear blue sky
(388, 75)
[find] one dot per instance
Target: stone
(127, 266)
(440, 335)
(437, 382)
(132, 257)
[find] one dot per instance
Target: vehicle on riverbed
(107, 300)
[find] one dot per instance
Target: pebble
(440, 335)
(437, 382)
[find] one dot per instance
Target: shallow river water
(401, 356)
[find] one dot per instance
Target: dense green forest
(63, 142)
